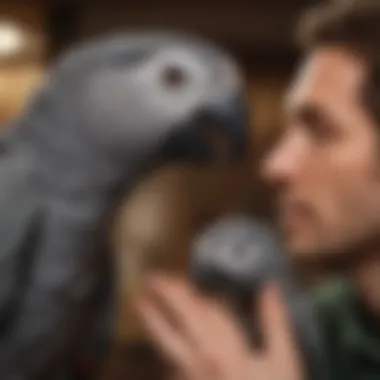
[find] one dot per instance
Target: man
(326, 169)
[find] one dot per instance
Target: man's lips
(292, 215)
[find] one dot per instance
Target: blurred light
(11, 39)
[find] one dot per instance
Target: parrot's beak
(219, 133)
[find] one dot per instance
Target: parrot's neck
(70, 168)
(81, 177)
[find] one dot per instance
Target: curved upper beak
(218, 132)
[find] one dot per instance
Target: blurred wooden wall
(21, 73)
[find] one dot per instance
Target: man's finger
(174, 347)
(275, 322)
(184, 306)
(228, 342)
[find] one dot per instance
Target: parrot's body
(234, 258)
(108, 109)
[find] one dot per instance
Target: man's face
(326, 165)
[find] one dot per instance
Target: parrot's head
(170, 95)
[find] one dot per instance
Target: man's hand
(204, 341)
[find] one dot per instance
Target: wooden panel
(265, 93)
(30, 20)
(21, 72)
(245, 24)
(16, 85)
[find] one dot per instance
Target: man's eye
(321, 131)
(315, 122)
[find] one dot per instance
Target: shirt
(352, 339)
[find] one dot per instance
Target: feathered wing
(18, 226)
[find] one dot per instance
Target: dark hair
(352, 24)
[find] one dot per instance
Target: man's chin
(312, 254)
(303, 250)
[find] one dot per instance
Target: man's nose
(281, 163)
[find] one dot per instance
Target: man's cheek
(350, 204)
(329, 205)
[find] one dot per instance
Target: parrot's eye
(173, 78)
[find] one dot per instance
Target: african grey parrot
(106, 112)
(233, 258)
